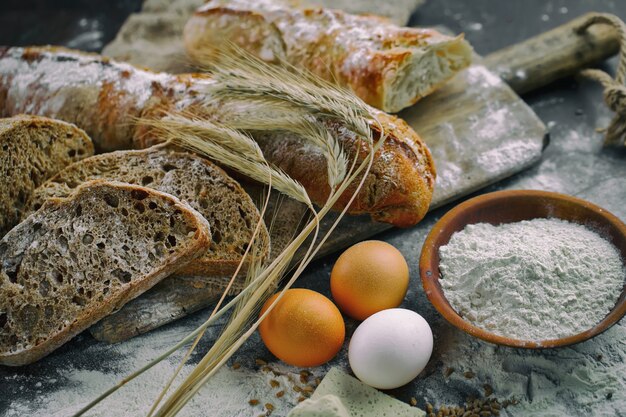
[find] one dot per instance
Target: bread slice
(78, 259)
(32, 149)
(204, 186)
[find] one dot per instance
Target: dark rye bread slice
(191, 178)
(32, 149)
(78, 259)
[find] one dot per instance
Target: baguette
(105, 97)
(192, 179)
(32, 150)
(399, 11)
(78, 259)
(388, 66)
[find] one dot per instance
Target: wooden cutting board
(478, 129)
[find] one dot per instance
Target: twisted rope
(614, 88)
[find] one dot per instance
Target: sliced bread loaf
(78, 259)
(32, 149)
(204, 186)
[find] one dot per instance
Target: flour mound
(533, 280)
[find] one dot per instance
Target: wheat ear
(319, 101)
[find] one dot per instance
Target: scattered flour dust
(532, 280)
(586, 379)
(226, 394)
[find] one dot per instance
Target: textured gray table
(586, 379)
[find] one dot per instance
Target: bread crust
(116, 299)
(388, 66)
(398, 190)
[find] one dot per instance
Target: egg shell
(304, 329)
(369, 277)
(390, 348)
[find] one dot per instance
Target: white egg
(390, 348)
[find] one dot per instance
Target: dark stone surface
(574, 163)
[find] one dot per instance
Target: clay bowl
(508, 207)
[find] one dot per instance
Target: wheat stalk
(233, 338)
(311, 128)
(260, 116)
(239, 74)
(214, 360)
(253, 270)
(230, 147)
(243, 77)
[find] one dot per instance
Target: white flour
(533, 280)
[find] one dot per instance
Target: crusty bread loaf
(388, 66)
(105, 97)
(153, 38)
(98, 95)
(192, 179)
(78, 259)
(32, 149)
(398, 11)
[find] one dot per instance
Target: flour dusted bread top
(99, 95)
(388, 66)
(398, 11)
(32, 149)
(77, 259)
(200, 183)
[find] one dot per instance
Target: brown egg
(304, 328)
(369, 277)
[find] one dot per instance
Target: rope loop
(614, 88)
(615, 98)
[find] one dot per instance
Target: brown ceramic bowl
(508, 207)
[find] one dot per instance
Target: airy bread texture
(32, 149)
(106, 98)
(388, 66)
(78, 259)
(194, 180)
